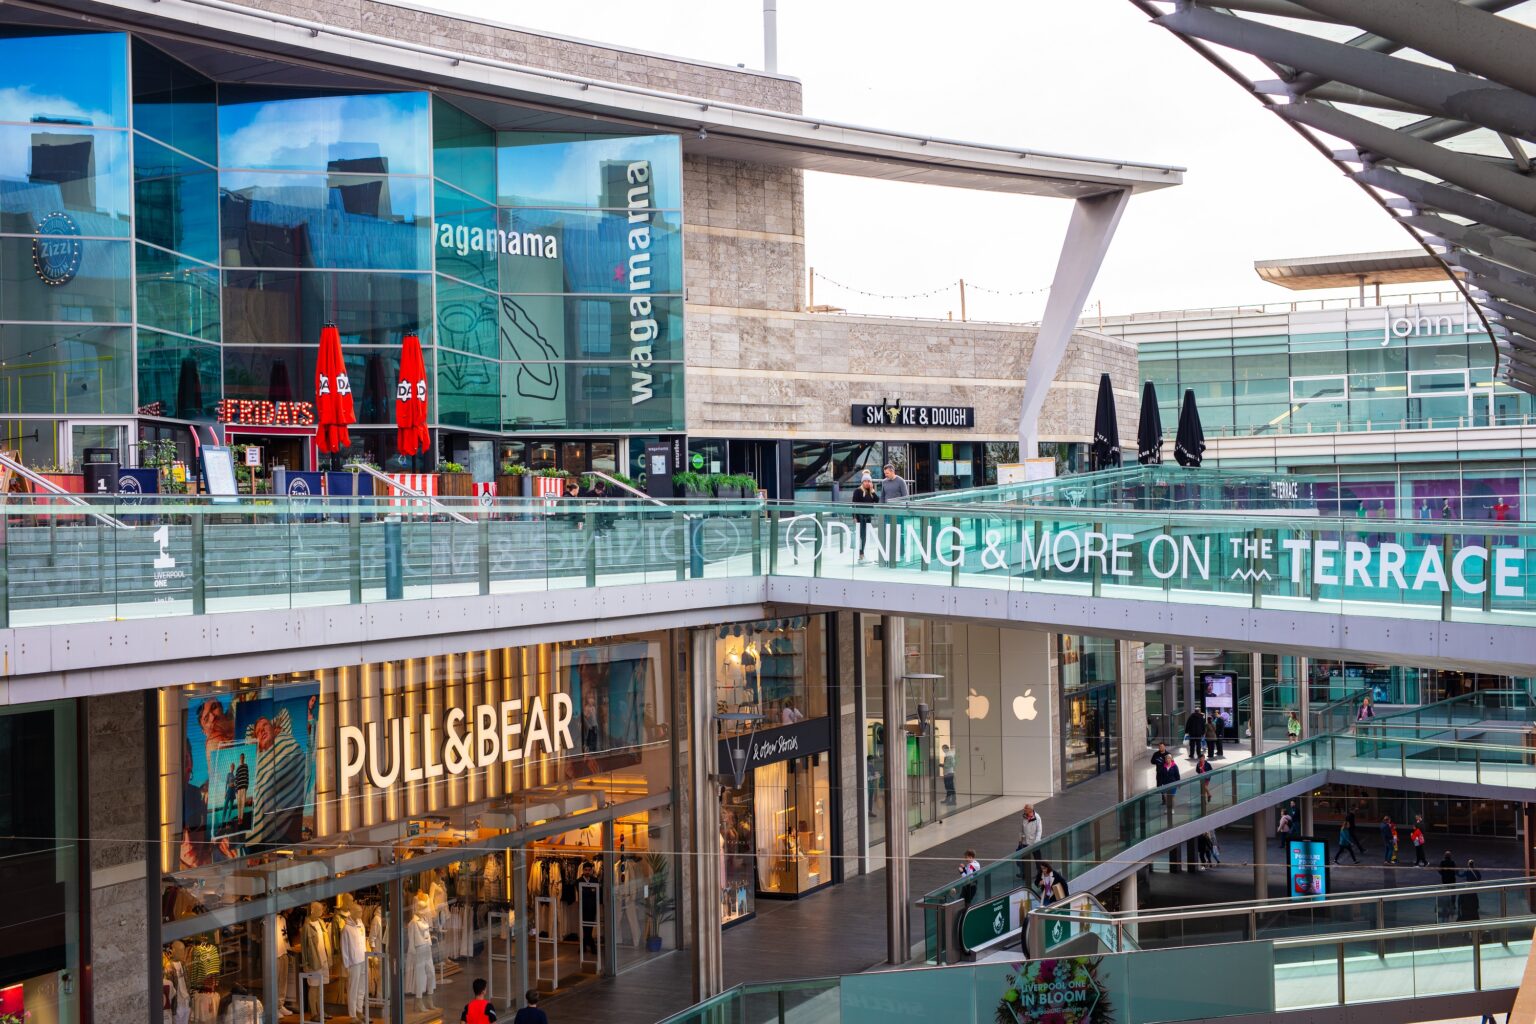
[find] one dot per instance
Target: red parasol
(333, 394)
(411, 399)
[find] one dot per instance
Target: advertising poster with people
(248, 771)
(611, 686)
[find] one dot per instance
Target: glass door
(1088, 734)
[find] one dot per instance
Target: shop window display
(301, 808)
(770, 673)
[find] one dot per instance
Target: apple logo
(1024, 707)
(977, 705)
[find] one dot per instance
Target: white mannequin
(420, 978)
(354, 959)
(178, 979)
(316, 950)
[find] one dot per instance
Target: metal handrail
(621, 485)
(1108, 917)
(358, 467)
(53, 488)
(1380, 934)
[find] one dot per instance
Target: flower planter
(510, 485)
(456, 485)
(728, 493)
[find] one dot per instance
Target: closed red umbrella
(411, 399)
(333, 394)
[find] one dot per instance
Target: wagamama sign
(413, 749)
(1468, 569)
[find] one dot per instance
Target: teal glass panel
(288, 307)
(278, 129)
(592, 396)
(1373, 357)
(467, 393)
(1271, 389)
(177, 201)
(79, 280)
(68, 78)
(553, 251)
(337, 221)
(538, 169)
(177, 294)
(173, 103)
(66, 180)
(74, 368)
(178, 377)
(463, 151)
(602, 327)
(466, 243)
(287, 374)
(1253, 417)
(466, 318)
(1438, 357)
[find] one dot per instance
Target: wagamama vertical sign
(414, 748)
(642, 320)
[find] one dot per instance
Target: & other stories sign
(894, 414)
(812, 736)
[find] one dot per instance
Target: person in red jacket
(479, 1009)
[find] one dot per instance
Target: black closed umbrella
(1105, 453)
(189, 390)
(1149, 431)
(1189, 445)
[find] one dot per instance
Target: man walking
(1194, 731)
(892, 487)
(947, 770)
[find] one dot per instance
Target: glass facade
(1392, 367)
(168, 241)
(502, 813)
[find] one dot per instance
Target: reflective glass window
(359, 133)
(466, 318)
(288, 307)
(538, 169)
(592, 396)
(286, 374)
(177, 294)
(65, 78)
(326, 221)
(66, 369)
(1310, 389)
(1438, 357)
(178, 377)
(598, 327)
(64, 181)
(463, 151)
(467, 394)
(54, 278)
(1252, 417)
(551, 251)
(465, 242)
(177, 201)
(173, 103)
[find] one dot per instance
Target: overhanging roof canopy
(1429, 105)
(707, 128)
(1402, 266)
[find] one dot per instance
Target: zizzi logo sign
(1415, 323)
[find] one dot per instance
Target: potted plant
(691, 485)
(161, 457)
(657, 901)
(550, 483)
(67, 478)
(513, 480)
(454, 481)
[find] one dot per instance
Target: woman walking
(865, 495)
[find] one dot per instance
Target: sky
(1085, 77)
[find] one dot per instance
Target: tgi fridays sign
(419, 747)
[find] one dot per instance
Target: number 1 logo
(163, 538)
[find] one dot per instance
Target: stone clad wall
(450, 32)
(117, 796)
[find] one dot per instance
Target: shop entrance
(291, 451)
(1088, 733)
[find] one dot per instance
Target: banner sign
(801, 739)
(960, 417)
(1308, 869)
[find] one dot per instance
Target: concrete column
(1130, 901)
(1256, 703)
(1260, 822)
(1189, 681)
(898, 919)
(1303, 697)
(1131, 695)
(121, 802)
(704, 819)
(1306, 815)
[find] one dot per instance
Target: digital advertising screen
(1220, 691)
(1308, 873)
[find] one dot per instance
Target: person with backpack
(1283, 830)
(479, 1009)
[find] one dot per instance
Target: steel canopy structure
(1428, 105)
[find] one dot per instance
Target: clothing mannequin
(281, 949)
(315, 952)
(178, 998)
(438, 893)
(420, 979)
(205, 1004)
(354, 959)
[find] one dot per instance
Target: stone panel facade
(664, 74)
(117, 795)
